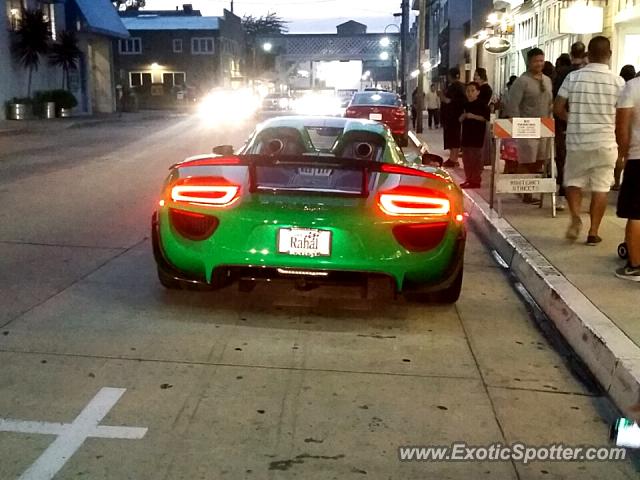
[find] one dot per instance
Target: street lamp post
(386, 42)
(421, 34)
(266, 47)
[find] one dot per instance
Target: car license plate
(307, 242)
(375, 116)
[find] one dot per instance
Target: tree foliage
(270, 24)
(31, 41)
(66, 54)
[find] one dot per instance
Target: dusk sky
(319, 16)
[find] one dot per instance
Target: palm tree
(65, 53)
(31, 41)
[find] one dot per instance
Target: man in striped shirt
(592, 94)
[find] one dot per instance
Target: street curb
(611, 356)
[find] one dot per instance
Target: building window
(202, 46)
(131, 46)
(177, 45)
(14, 14)
(173, 79)
(139, 79)
(49, 15)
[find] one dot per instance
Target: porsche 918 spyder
(312, 200)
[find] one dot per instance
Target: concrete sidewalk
(598, 301)
(37, 125)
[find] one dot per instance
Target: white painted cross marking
(72, 435)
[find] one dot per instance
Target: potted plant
(44, 104)
(65, 101)
(19, 108)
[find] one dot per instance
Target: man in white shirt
(628, 135)
(592, 93)
(432, 101)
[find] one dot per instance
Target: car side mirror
(432, 159)
(223, 150)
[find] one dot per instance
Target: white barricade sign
(523, 128)
(526, 128)
(525, 184)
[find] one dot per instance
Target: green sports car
(312, 200)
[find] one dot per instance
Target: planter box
(49, 110)
(19, 111)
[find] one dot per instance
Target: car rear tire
(448, 295)
(167, 281)
(451, 294)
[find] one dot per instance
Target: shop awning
(101, 17)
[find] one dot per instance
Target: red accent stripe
(403, 170)
(549, 123)
(500, 132)
(210, 161)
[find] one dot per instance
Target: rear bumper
(422, 273)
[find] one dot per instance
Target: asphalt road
(263, 385)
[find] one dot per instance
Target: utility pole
(422, 24)
(404, 33)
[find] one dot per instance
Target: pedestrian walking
(628, 72)
(485, 96)
(504, 97)
(565, 64)
(433, 106)
(453, 99)
(628, 137)
(549, 70)
(415, 99)
(486, 92)
(474, 120)
(592, 92)
(531, 96)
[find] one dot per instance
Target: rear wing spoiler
(260, 165)
(313, 161)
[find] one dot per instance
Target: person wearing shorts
(628, 136)
(592, 151)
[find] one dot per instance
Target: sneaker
(574, 229)
(469, 185)
(561, 204)
(450, 163)
(593, 240)
(629, 273)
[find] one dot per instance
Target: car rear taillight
(210, 191)
(399, 112)
(414, 201)
(420, 237)
(193, 225)
(351, 111)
